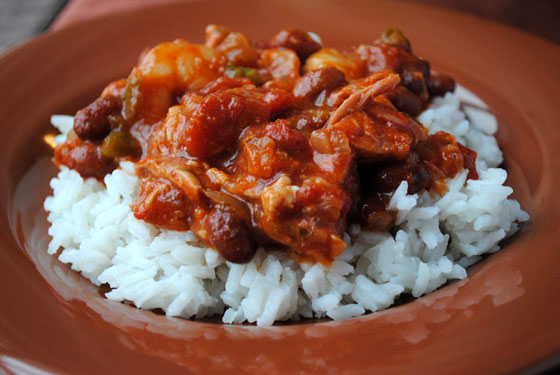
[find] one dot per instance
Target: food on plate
(276, 181)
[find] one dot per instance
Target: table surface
(21, 20)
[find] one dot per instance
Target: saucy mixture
(278, 144)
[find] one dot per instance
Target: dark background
(22, 19)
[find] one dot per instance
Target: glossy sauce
(283, 144)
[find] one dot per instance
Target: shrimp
(282, 65)
(234, 45)
(349, 64)
(166, 72)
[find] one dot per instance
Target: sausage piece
(84, 157)
(297, 40)
(315, 81)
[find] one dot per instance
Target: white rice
(438, 238)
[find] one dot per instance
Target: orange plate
(502, 318)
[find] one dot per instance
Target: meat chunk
(372, 139)
(225, 82)
(205, 126)
(413, 70)
(163, 204)
(370, 125)
(299, 41)
(314, 82)
(84, 157)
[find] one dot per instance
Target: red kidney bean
(229, 235)
(405, 100)
(92, 123)
(439, 84)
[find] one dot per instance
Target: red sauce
(248, 150)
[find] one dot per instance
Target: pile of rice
(438, 237)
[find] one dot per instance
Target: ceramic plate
(502, 318)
